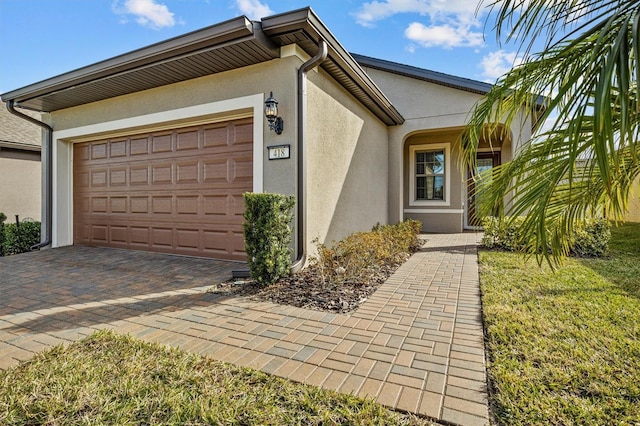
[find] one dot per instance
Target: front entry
(485, 161)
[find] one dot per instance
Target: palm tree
(586, 82)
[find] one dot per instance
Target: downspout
(301, 228)
(48, 199)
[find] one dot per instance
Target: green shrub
(592, 240)
(20, 238)
(3, 217)
(360, 257)
(267, 234)
(502, 233)
(589, 239)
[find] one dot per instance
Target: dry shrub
(362, 257)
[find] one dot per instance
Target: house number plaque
(279, 152)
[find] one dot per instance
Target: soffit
(232, 44)
(222, 47)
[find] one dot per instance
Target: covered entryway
(175, 191)
(485, 162)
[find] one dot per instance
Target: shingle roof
(18, 133)
(461, 83)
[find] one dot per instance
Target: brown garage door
(175, 191)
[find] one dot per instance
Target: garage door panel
(98, 178)
(187, 140)
(188, 172)
(118, 149)
(243, 134)
(98, 150)
(161, 143)
(175, 191)
(139, 146)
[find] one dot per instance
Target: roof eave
(309, 22)
(225, 31)
(435, 77)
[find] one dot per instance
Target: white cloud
(496, 64)
(445, 35)
(437, 10)
(254, 9)
(451, 23)
(147, 13)
(377, 10)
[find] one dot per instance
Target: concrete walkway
(416, 345)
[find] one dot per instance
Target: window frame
(413, 150)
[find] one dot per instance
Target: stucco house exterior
(20, 188)
(153, 149)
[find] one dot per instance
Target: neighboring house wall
(347, 166)
(20, 180)
(634, 203)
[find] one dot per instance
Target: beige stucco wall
(347, 167)
(432, 112)
(20, 176)
(20, 185)
(444, 216)
(633, 214)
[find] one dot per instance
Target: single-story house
(20, 177)
(152, 150)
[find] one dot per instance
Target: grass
(564, 346)
(113, 379)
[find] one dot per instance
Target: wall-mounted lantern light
(271, 112)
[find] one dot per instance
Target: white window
(429, 175)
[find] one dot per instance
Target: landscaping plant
(362, 256)
(19, 237)
(267, 234)
(588, 239)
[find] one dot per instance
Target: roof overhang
(430, 76)
(19, 146)
(233, 44)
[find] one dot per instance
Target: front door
(485, 161)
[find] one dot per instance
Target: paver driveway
(415, 345)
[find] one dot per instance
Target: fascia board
(215, 34)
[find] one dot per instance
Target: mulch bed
(306, 289)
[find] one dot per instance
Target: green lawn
(112, 379)
(564, 346)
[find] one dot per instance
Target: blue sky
(44, 38)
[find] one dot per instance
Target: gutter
(301, 228)
(48, 187)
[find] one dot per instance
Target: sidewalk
(416, 345)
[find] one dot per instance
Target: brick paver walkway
(415, 345)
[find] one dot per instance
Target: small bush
(502, 233)
(360, 257)
(267, 234)
(590, 239)
(20, 238)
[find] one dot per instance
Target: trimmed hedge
(590, 239)
(18, 238)
(360, 257)
(267, 234)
